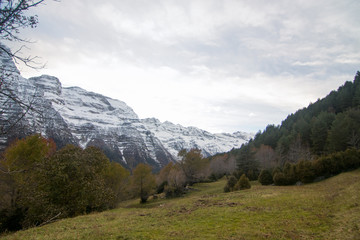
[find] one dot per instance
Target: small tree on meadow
(229, 187)
(143, 182)
(243, 183)
(194, 165)
(265, 177)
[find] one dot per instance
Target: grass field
(324, 210)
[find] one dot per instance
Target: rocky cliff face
(76, 116)
(176, 137)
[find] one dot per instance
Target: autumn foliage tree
(23, 188)
(194, 165)
(143, 182)
(39, 185)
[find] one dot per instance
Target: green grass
(324, 210)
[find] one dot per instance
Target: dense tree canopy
(39, 184)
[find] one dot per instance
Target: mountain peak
(77, 116)
(47, 83)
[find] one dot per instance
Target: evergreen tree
(345, 131)
(319, 131)
(243, 183)
(246, 161)
(230, 185)
(265, 177)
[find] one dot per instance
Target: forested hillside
(328, 126)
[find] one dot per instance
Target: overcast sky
(219, 65)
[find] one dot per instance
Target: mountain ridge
(76, 116)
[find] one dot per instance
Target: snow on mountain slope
(176, 137)
(110, 124)
(76, 116)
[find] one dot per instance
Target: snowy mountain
(176, 137)
(74, 115)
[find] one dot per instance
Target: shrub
(161, 187)
(305, 171)
(229, 187)
(265, 177)
(279, 179)
(226, 188)
(173, 191)
(351, 159)
(243, 183)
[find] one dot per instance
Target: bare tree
(13, 18)
(298, 151)
(266, 156)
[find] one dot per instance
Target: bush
(305, 171)
(279, 179)
(243, 183)
(229, 187)
(161, 187)
(336, 163)
(173, 191)
(265, 177)
(226, 188)
(351, 159)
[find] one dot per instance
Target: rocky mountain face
(75, 116)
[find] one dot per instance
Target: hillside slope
(326, 210)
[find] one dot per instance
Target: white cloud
(220, 65)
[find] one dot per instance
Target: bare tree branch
(50, 220)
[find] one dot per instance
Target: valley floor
(324, 210)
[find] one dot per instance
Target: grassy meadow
(325, 210)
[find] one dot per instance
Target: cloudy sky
(220, 65)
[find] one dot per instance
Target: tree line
(324, 135)
(40, 183)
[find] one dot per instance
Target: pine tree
(265, 177)
(243, 183)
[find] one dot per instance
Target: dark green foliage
(10, 219)
(268, 137)
(289, 171)
(319, 131)
(214, 177)
(173, 191)
(234, 184)
(345, 131)
(265, 177)
(161, 187)
(287, 176)
(337, 162)
(280, 179)
(42, 185)
(237, 174)
(243, 183)
(226, 188)
(325, 166)
(77, 181)
(305, 171)
(327, 126)
(246, 162)
(229, 187)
